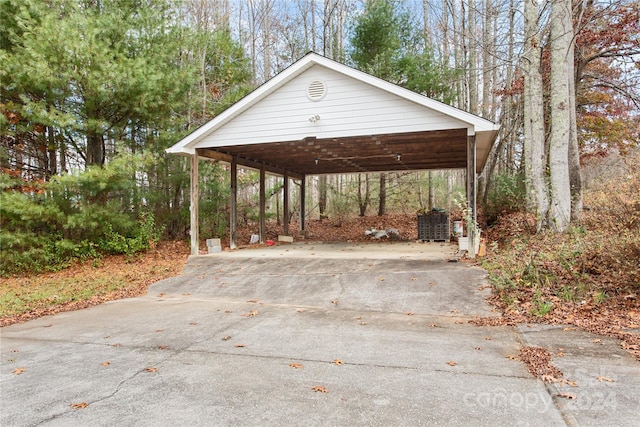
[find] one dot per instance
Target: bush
(507, 196)
(45, 226)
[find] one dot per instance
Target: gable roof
(247, 119)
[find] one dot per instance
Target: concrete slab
(603, 386)
(244, 340)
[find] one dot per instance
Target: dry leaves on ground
(538, 362)
(79, 405)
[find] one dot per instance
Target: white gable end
(348, 108)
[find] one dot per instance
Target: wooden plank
(303, 195)
(263, 200)
(471, 193)
(233, 220)
(194, 193)
(285, 215)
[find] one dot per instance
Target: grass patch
(88, 283)
(22, 296)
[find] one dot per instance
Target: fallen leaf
(18, 371)
(79, 405)
(159, 330)
(569, 329)
(458, 322)
(477, 348)
(433, 284)
(409, 313)
(548, 378)
(433, 325)
(300, 310)
(250, 314)
(163, 347)
(116, 345)
(105, 363)
(413, 279)
(226, 338)
(15, 350)
(560, 354)
(569, 383)
(239, 345)
(513, 357)
(320, 389)
(337, 362)
(566, 395)
(296, 366)
(151, 369)
(382, 279)
(450, 363)
(487, 338)
(253, 300)
(335, 302)
(609, 380)
(161, 294)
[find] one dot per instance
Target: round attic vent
(316, 90)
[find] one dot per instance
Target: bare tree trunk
(382, 205)
(322, 195)
(313, 25)
(534, 153)
(425, 23)
(432, 193)
(472, 65)
(575, 173)
(95, 148)
(487, 66)
(561, 40)
(363, 199)
(267, 7)
(52, 166)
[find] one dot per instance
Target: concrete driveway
(308, 335)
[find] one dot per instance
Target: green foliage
(377, 39)
(508, 195)
(386, 44)
(73, 216)
(214, 199)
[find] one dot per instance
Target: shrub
(507, 196)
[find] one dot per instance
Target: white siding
(350, 108)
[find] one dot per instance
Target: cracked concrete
(242, 338)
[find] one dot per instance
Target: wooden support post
(285, 216)
(303, 195)
(472, 184)
(263, 204)
(233, 220)
(195, 244)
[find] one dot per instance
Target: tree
(534, 152)
(560, 105)
(386, 44)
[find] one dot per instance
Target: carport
(319, 117)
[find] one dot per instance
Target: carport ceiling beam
(248, 163)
